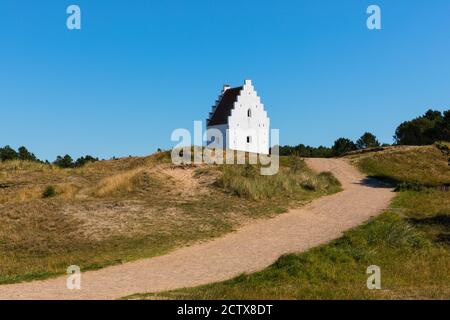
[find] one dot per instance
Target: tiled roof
(223, 110)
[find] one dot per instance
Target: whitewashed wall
(241, 126)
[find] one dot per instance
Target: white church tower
(241, 119)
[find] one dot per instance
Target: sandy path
(249, 249)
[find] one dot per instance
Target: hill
(109, 212)
(425, 165)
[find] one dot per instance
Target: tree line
(340, 146)
(22, 153)
(427, 129)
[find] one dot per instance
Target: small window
(249, 113)
(249, 139)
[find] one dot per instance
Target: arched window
(249, 113)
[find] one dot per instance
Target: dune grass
(115, 211)
(427, 165)
(124, 182)
(292, 181)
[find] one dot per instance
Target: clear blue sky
(139, 69)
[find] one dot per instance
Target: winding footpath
(249, 249)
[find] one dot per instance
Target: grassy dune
(410, 242)
(427, 165)
(114, 211)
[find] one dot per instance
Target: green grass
(410, 242)
(110, 212)
(427, 166)
(427, 210)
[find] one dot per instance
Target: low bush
(49, 192)
(246, 181)
(409, 186)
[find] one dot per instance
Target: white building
(240, 121)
